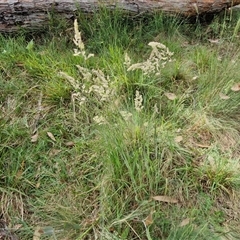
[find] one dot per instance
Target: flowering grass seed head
(138, 101)
(79, 43)
(127, 60)
(158, 58)
(77, 37)
(126, 115)
(100, 120)
(71, 80)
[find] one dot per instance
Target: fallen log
(35, 13)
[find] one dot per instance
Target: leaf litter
(51, 136)
(170, 96)
(149, 219)
(223, 96)
(236, 87)
(166, 199)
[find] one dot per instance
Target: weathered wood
(34, 13)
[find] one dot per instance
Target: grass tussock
(130, 131)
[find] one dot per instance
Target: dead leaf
(38, 184)
(215, 41)
(223, 96)
(54, 152)
(37, 233)
(50, 135)
(202, 145)
(170, 96)
(178, 139)
(236, 87)
(165, 199)
(195, 77)
(69, 144)
(149, 219)
(184, 222)
(34, 138)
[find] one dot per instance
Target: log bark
(34, 13)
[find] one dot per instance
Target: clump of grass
(99, 142)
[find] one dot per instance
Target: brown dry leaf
(236, 87)
(195, 77)
(54, 152)
(69, 144)
(215, 41)
(170, 96)
(223, 96)
(178, 139)
(184, 222)
(50, 135)
(149, 219)
(38, 185)
(165, 199)
(37, 233)
(34, 138)
(202, 145)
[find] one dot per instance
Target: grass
(90, 149)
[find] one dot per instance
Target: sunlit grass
(87, 141)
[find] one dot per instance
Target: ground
(121, 128)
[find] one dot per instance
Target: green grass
(83, 150)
